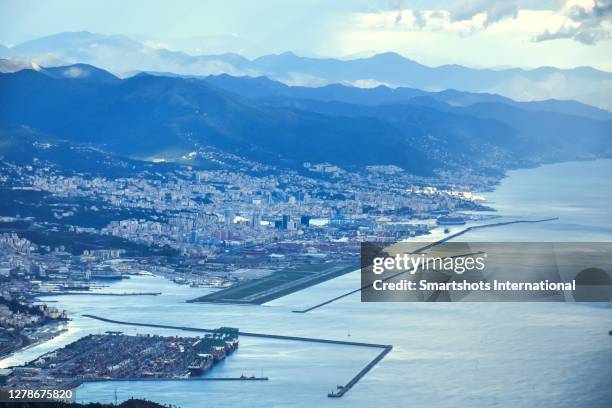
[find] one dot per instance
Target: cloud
(463, 17)
(157, 45)
(585, 22)
(75, 72)
(416, 20)
(419, 18)
(369, 83)
(493, 10)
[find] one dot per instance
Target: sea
(444, 354)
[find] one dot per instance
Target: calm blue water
(445, 355)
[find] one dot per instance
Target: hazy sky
(564, 33)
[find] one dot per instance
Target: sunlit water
(444, 355)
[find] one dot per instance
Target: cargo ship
(202, 364)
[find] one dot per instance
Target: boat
(201, 365)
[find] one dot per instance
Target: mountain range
(262, 87)
(147, 116)
(122, 55)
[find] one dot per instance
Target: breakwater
(441, 241)
(342, 389)
(242, 378)
(60, 293)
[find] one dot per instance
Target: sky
(477, 33)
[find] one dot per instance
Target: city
(260, 236)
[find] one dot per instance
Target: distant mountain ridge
(262, 87)
(121, 54)
(162, 116)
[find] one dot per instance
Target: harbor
(341, 390)
(115, 356)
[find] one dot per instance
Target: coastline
(58, 327)
(420, 339)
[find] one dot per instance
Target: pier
(386, 348)
(445, 239)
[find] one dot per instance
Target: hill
(160, 116)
